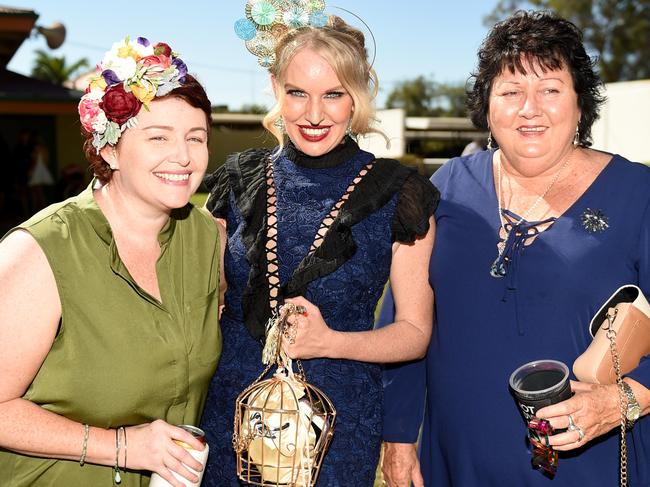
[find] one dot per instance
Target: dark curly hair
(550, 41)
(191, 91)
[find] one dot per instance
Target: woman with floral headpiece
(320, 223)
(108, 330)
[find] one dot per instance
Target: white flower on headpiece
(100, 122)
(141, 49)
(123, 67)
(127, 47)
(296, 18)
(123, 56)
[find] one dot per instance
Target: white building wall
(624, 124)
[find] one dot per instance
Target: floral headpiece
(131, 75)
(267, 21)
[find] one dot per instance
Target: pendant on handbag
(594, 220)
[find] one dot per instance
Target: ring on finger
(289, 331)
(572, 424)
(581, 434)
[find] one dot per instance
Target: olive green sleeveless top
(121, 357)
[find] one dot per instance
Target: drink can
(201, 456)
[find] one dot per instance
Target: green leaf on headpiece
(112, 133)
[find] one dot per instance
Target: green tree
(55, 69)
(424, 97)
(450, 100)
(254, 108)
(618, 31)
(414, 96)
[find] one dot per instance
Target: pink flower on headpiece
(89, 109)
(161, 61)
(162, 48)
(119, 105)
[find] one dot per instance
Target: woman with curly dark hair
(533, 235)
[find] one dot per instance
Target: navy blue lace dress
(344, 278)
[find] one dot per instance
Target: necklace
(498, 269)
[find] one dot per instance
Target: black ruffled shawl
(243, 174)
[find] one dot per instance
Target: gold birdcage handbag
(284, 425)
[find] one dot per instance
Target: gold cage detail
(283, 425)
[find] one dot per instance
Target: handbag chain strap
(611, 335)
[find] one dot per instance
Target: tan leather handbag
(625, 317)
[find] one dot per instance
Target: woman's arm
(405, 339)
(29, 320)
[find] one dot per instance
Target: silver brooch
(594, 220)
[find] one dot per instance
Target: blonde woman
(324, 87)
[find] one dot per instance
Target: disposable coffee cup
(201, 456)
(538, 384)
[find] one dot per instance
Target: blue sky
(414, 37)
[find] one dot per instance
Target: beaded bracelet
(84, 447)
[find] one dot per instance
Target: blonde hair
(343, 47)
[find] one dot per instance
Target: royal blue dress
(485, 327)
(345, 279)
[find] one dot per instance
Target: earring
(576, 137)
(489, 140)
(348, 131)
(279, 124)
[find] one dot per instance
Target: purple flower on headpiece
(143, 41)
(181, 66)
(110, 77)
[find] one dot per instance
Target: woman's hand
(400, 465)
(595, 410)
(309, 333)
(154, 447)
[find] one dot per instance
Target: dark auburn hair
(543, 38)
(191, 91)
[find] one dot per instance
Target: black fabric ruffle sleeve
(243, 174)
(219, 187)
(418, 200)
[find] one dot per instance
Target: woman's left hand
(595, 410)
(309, 333)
